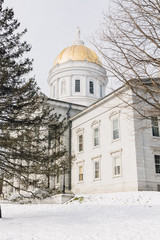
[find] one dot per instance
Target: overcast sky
(52, 26)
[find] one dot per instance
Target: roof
(77, 53)
(96, 104)
(69, 103)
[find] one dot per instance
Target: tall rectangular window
(63, 87)
(80, 143)
(155, 126)
(117, 166)
(157, 163)
(96, 170)
(80, 173)
(115, 128)
(96, 137)
(77, 85)
(91, 87)
(101, 91)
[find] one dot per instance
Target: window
(53, 91)
(77, 85)
(95, 125)
(96, 170)
(96, 137)
(155, 127)
(117, 166)
(63, 87)
(96, 167)
(157, 163)
(116, 163)
(80, 143)
(101, 91)
(80, 173)
(115, 128)
(91, 87)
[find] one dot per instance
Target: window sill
(156, 137)
(157, 174)
(79, 182)
(117, 176)
(81, 152)
(96, 179)
(96, 146)
(115, 140)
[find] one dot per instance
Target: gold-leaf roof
(77, 53)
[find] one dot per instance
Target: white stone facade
(125, 163)
(147, 146)
(114, 149)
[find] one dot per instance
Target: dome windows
(77, 85)
(91, 87)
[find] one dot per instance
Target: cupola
(77, 75)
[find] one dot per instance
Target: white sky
(52, 25)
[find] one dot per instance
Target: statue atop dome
(78, 34)
(78, 40)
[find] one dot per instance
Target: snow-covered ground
(116, 216)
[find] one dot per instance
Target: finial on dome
(78, 41)
(78, 34)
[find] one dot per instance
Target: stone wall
(102, 115)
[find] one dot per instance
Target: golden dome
(77, 53)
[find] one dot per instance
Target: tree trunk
(70, 154)
(48, 181)
(64, 182)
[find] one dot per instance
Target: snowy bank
(119, 199)
(113, 216)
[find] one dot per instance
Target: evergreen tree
(27, 146)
